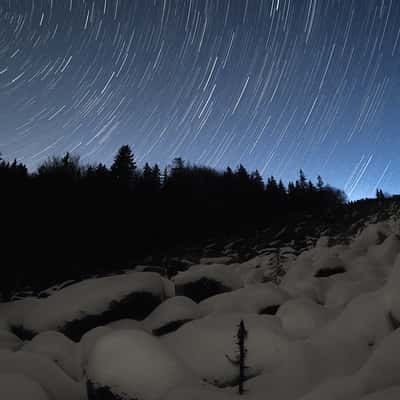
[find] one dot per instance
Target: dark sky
(277, 85)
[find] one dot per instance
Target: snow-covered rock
(392, 292)
(125, 324)
(381, 371)
(133, 365)
(202, 281)
(59, 349)
(198, 392)
(13, 313)
(88, 341)
(80, 307)
(393, 393)
(264, 298)
(216, 260)
(8, 341)
(301, 317)
(45, 372)
(20, 387)
(206, 345)
(171, 314)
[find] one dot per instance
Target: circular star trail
(276, 85)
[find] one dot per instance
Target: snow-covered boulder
(13, 313)
(392, 393)
(392, 293)
(301, 317)
(45, 372)
(335, 275)
(198, 392)
(203, 281)
(80, 307)
(340, 289)
(8, 341)
(380, 372)
(124, 324)
(59, 349)
(88, 341)
(20, 387)
(216, 260)
(133, 365)
(170, 315)
(264, 298)
(208, 345)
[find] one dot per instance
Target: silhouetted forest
(68, 220)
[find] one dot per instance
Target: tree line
(67, 220)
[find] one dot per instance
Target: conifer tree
(124, 167)
(240, 359)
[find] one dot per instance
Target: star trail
(276, 85)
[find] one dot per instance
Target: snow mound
(216, 260)
(88, 341)
(301, 317)
(42, 370)
(197, 392)
(82, 306)
(134, 365)
(125, 324)
(381, 371)
(206, 345)
(59, 349)
(264, 298)
(9, 341)
(393, 393)
(171, 314)
(13, 313)
(336, 275)
(392, 293)
(20, 387)
(202, 281)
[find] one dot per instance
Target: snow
(13, 313)
(125, 324)
(197, 392)
(135, 364)
(333, 337)
(9, 341)
(302, 317)
(381, 371)
(251, 299)
(20, 387)
(204, 345)
(45, 372)
(392, 292)
(216, 260)
(393, 393)
(58, 348)
(177, 308)
(224, 274)
(89, 297)
(88, 342)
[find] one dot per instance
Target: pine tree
(240, 359)
(277, 271)
(124, 167)
(379, 194)
(157, 176)
(302, 182)
(257, 180)
(320, 183)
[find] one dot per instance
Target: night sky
(277, 85)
